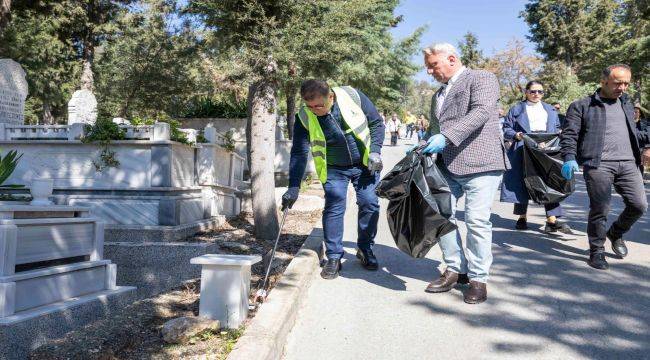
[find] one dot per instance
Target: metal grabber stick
(262, 293)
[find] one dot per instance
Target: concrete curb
(266, 334)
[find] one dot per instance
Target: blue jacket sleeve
(375, 123)
(509, 125)
(299, 153)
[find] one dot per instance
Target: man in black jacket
(601, 135)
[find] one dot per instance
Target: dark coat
(513, 188)
(583, 136)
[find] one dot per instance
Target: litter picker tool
(261, 294)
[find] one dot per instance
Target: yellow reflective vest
(350, 104)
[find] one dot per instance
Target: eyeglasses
(541, 92)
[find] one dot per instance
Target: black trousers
(628, 183)
(393, 138)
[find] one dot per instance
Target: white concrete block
(225, 287)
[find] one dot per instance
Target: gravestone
(13, 92)
(82, 108)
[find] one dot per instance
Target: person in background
(642, 125)
(641, 122)
(601, 135)
(558, 107)
(410, 121)
(528, 116)
(393, 125)
(421, 126)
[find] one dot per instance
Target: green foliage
(147, 67)
(175, 134)
(8, 164)
(200, 138)
(215, 107)
(562, 85)
(103, 131)
(228, 141)
(576, 32)
(470, 54)
(418, 99)
(32, 39)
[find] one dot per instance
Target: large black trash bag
(543, 169)
(419, 203)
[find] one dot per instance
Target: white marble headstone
(82, 108)
(13, 92)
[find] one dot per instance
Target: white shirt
(393, 126)
(537, 116)
(442, 94)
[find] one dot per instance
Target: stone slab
(162, 234)
(156, 267)
(24, 332)
(13, 92)
(82, 107)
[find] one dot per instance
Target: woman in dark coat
(530, 115)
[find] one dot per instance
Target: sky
(494, 22)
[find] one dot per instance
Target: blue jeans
(479, 190)
(336, 189)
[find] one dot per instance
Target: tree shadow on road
(547, 290)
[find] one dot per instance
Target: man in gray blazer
(464, 131)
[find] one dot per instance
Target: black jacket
(583, 134)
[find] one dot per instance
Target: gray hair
(441, 48)
(608, 70)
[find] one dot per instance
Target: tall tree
(87, 24)
(5, 13)
(33, 38)
(577, 32)
(147, 66)
(254, 29)
(470, 54)
(513, 67)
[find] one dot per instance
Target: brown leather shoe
(477, 292)
(445, 282)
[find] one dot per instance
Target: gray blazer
(469, 119)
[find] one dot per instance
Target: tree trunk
(47, 117)
(262, 154)
(291, 92)
(87, 77)
(249, 110)
(5, 14)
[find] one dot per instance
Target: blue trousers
(336, 189)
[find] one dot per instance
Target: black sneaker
(521, 224)
(331, 269)
(618, 245)
(597, 261)
(557, 227)
(368, 259)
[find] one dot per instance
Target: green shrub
(104, 131)
(215, 107)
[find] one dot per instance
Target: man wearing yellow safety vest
(345, 133)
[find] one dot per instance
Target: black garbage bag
(543, 169)
(419, 203)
